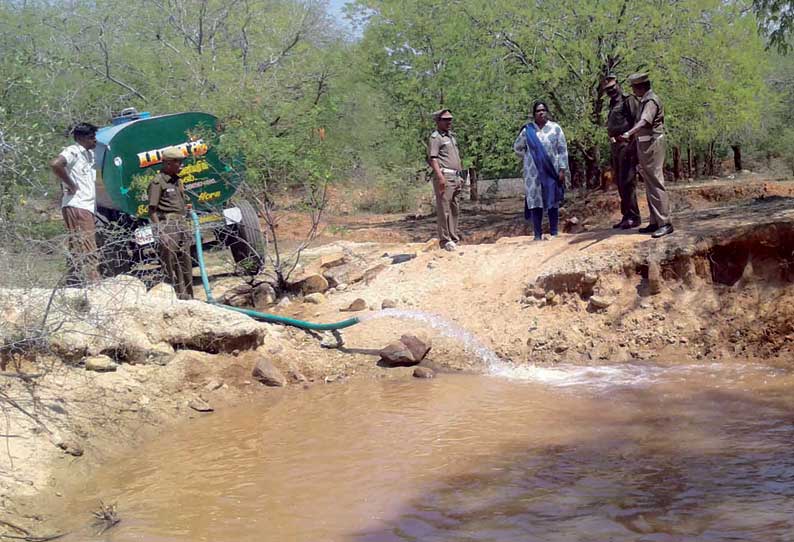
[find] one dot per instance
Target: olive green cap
(172, 153)
(442, 114)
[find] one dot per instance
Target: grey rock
(600, 303)
(312, 284)
(200, 405)
(357, 305)
(213, 384)
(397, 353)
(100, 364)
(316, 298)
(284, 302)
(388, 304)
(267, 373)
(263, 295)
(424, 372)
(332, 339)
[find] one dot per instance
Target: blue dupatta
(553, 192)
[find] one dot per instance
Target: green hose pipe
(262, 316)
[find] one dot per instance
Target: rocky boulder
(265, 372)
(409, 350)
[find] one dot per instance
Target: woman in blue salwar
(541, 145)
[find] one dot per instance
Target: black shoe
(667, 229)
(629, 224)
(619, 225)
(650, 228)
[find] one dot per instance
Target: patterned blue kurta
(553, 140)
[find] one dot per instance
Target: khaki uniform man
(649, 134)
(167, 210)
(444, 157)
(623, 112)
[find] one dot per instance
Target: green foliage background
(305, 101)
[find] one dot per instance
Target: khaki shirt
(653, 113)
(444, 148)
(167, 195)
(623, 113)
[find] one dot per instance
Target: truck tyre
(248, 246)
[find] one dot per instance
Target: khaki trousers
(651, 166)
(448, 208)
(624, 166)
(175, 238)
(83, 257)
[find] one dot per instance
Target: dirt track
(721, 288)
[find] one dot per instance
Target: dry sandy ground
(720, 288)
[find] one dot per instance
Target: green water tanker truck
(128, 156)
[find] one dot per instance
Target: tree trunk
(473, 195)
(592, 169)
(689, 171)
(737, 157)
(573, 163)
(711, 160)
(695, 166)
(676, 163)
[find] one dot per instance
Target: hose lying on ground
(262, 316)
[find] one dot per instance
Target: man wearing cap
(649, 133)
(623, 112)
(167, 211)
(444, 157)
(74, 166)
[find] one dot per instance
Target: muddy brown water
(620, 452)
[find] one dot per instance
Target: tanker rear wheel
(248, 244)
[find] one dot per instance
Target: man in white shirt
(74, 166)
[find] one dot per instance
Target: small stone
(645, 305)
(397, 353)
(554, 300)
(312, 284)
(316, 298)
(71, 448)
(266, 373)
(418, 347)
(213, 384)
(388, 304)
(683, 340)
(423, 372)
(332, 340)
(200, 405)
(341, 287)
(263, 295)
(100, 364)
(432, 265)
(357, 305)
(560, 348)
(599, 303)
(284, 302)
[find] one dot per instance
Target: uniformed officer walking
(167, 210)
(444, 157)
(623, 111)
(649, 133)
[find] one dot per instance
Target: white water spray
(469, 341)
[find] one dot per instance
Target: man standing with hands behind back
(444, 157)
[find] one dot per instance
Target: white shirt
(80, 167)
